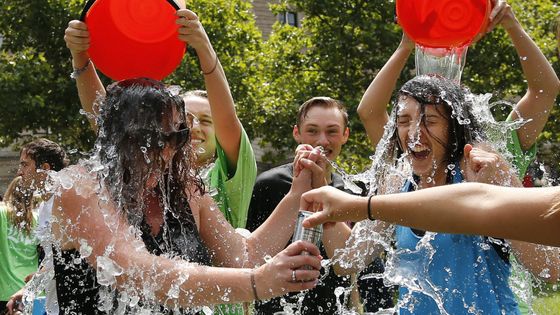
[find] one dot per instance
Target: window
(289, 18)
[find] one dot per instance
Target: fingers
(467, 150)
(77, 25)
(296, 248)
(305, 275)
(76, 36)
(304, 261)
(187, 14)
(315, 219)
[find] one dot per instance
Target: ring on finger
(294, 279)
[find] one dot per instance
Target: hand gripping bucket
(134, 38)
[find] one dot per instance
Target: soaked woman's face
(172, 136)
(423, 134)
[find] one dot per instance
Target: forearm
(89, 86)
(224, 116)
(273, 235)
(373, 106)
(175, 283)
(475, 209)
(538, 72)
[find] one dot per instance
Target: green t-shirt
(18, 256)
(519, 276)
(234, 194)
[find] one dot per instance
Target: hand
(14, 304)
(501, 14)
(333, 205)
(483, 165)
(275, 277)
(76, 37)
(406, 42)
(312, 159)
(191, 30)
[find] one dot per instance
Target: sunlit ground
(547, 303)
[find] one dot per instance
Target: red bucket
(443, 23)
(134, 38)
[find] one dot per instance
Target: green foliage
(230, 25)
(336, 52)
(36, 91)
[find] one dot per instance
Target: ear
(45, 166)
(295, 134)
(345, 135)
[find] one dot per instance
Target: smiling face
(424, 135)
(323, 126)
(203, 135)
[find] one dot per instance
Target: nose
(322, 140)
(19, 171)
(415, 132)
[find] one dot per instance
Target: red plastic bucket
(443, 23)
(134, 38)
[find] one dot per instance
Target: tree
(36, 90)
(343, 43)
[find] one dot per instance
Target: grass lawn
(547, 305)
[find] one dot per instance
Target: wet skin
(422, 137)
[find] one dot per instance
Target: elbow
(363, 111)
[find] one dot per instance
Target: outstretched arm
(83, 216)
(227, 125)
(543, 85)
(527, 214)
(88, 83)
(373, 106)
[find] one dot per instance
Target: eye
(311, 131)
(403, 121)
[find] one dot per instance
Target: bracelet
(254, 286)
(213, 68)
(77, 72)
(369, 208)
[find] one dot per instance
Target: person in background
(18, 244)
(321, 122)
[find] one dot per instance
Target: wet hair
(130, 143)
(19, 203)
(320, 101)
(452, 102)
(46, 151)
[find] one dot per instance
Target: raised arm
(227, 125)
(85, 217)
(527, 214)
(88, 83)
(543, 85)
(373, 106)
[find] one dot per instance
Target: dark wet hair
(46, 151)
(324, 102)
(130, 143)
(452, 102)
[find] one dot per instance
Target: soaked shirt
(466, 274)
(76, 281)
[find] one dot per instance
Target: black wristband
(369, 208)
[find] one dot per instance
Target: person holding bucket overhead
(222, 145)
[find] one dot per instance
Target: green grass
(547, 305)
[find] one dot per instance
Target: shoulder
(280, 173)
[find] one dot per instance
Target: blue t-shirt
(465, 271)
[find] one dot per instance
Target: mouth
(196, 142)
(419, 152)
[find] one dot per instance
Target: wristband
(369, 215)
(77, 72)
(254, 285)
